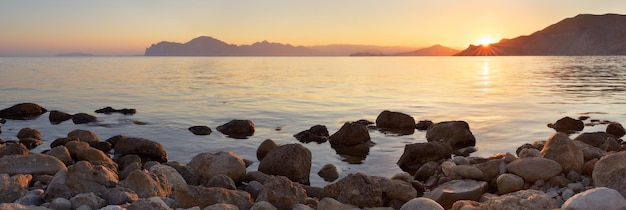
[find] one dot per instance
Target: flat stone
(30, 164)
(455, 190)
(534, 168)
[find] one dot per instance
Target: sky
(123, 27)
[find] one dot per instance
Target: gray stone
(564, 151)
(221, 206)
(609, 172)
(534, 168)
(263, 205)
(61, 204)
(120, 195)
(509, 183)
(146, 184)
(332, 204)
(523, 199)
(222, 181)
(596, 198)
(13, 187)
(589, 152)
(87, 199)
(422, 204)
(153, 203)
(30, 164)
(254, 188)
(290, 160)
(188, 196)
(356, 189)
(452, 191)
(455, 133)
(228, 163)
(17, 206)
(282, 193)
(172, 176)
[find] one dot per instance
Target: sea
(507, 101)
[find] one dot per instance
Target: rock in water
(616, 129)
(564, 151)
(290, 160)
(328, 172)
(609, 172)
(596, 198)
(239, 129)
(200, 130)
(147, 149)
(265, 147)
(22, 111)
(228, 163)
(568, 125)
(396, 122)
(29, 133)
(57, 117)
(416, 154)
(82, 118)
(455, 133)
(317, 133)
(452, 191)
(535, 168)
(350, 134)
(356, 189)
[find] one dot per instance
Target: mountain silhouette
(584, 34)
(435, 50)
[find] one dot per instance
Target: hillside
(584, 34)
(435, 50)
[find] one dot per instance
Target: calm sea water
(507, 101)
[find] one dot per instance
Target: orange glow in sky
(127, 27)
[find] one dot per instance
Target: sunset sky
(116, 27)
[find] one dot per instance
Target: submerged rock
(456, 133)
(350, 134)
(109, 110)
(416, 154)
(317, 133)
(291, 160)
(239, 129)
(200, 130)
(29, 133)
(82, 118)
(22, 111)
(395, 122)
(57, 117)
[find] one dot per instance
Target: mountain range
(584, 34)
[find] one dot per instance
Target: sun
(485, 41)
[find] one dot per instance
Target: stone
(422, 204)
(13, 187)
(264, 148)
(534, 168)
(564, 151)
(317, 133)
(350, 134)
(466, 205)
(61, 204)
(423, 125)
(84, 136)
(456, 133)
(221, 206)
(82, 118)
(282, 193)
(119, 195)
(62, 154)
(17, 206)
(452, 191)
(397, 190)
(416, 154)
(152, 203)
(589, 152)
(32, 198)
(509, 183)
(596, 198)
(30, 143)
(146, 184)
(328, 172)
(146, 149)
(110, 110)
(75, 146)
(239, 129)
(263, 205)
(609, 172)
(588, 167)
(30, 164)
(395, 121)
(256, 176)
(103, 146)
(200, 130)
(523, 199)
(491, 169)
(171, 174)
(188, 196)
(57, 117)
(254, 188)
(568, 125)
(222, 181)
(84, 177)
(616, 129)
(88, 199)
(356, 189)
(96, 157)
(61, 142)
(332, 204)
(601, 140)
(426, 170)
(29, 133)
(228, 163)
(190, 175)
(468, 172)
(22, 111)
(290, 160)
(113, 140)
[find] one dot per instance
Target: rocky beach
(571, 169)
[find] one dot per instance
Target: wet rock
(282, 193)
(564, 151)
(119, 195)
(395, 122)
(188, 196)
(353, 154)
(568, 125)
(172, 176)
(110, 110)
(350, 134)
(13, 149)
(84, 177)
(96, 157)
(422, 203)
(22, 111)
(146, 149)
(609, 172)
(13, 187)
(32, 198)
(455, 190)
(239, 129)
(423, 125)
(62, 154)
(84, 136)
(356, 189)
(87, 199)
(265, 147)
(60, 142)
(317, 133)
(524, 199)
(416, 154)
(200, 130)
(57, 117)
(228, 163)
(147, 184)
(30, 164)
(82, 118)
(29, 133)
(596, 198)
(616, 129)
(534, 168)
(397, 190)
(328, 172)
(456, 133)
(30, 143)
(509, 183)
(291, 160)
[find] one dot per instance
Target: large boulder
(30, 164)
(524, 199)
(282, 193)
(147, 184)
(239, 129)
(228, 163)
(188, 196)
(609, 172)
(13, 187)
(416, 154)
(290, 160)
(317, 133)
(84, 177)
(596, 198)
(455, 133)
(147, 149)
(564, 151)
(356, 189)
(171, 174)
(452, 191)
(350, 134)
(396, 122)
(534, 168)
(22, 111)
(568, 125)
(616, 129)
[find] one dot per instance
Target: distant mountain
(74, 54)
(348, 49)
(435, 50)
(209, 46)
(584, 34)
